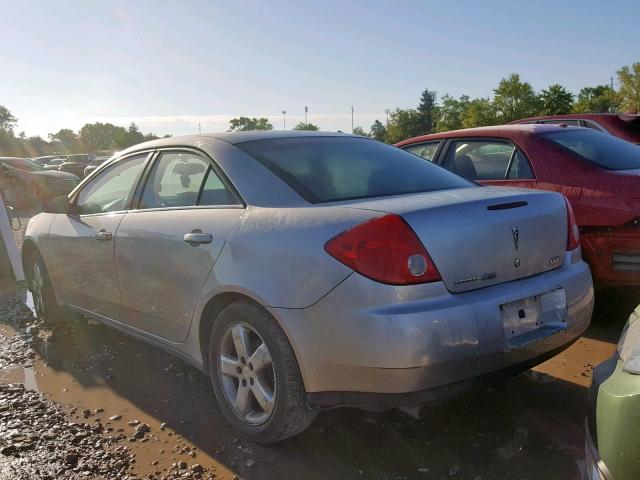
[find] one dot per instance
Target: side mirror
(57, 205)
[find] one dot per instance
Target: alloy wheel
(246, 373)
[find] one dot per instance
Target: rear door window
(603, 149)
(487, 160)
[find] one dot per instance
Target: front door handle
(103, 236)
(196, 238)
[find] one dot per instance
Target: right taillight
(573, 232)
(384, 249)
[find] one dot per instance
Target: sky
(176, 66)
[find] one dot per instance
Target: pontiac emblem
(516, 236)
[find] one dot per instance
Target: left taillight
(384, 249)
(573, 232)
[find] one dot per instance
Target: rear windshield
(327, 169)
(602, 149)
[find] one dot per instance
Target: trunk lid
(484, 236)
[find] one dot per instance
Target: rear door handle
(196, 238)
(103, 236)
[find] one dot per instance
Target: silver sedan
(304, 271)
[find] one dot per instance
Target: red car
(597, 172)
(623, 126)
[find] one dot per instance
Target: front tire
(44, 298)
(255, 375)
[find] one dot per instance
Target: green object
(618, 408)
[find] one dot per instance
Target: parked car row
(308, 270)
(78, 164)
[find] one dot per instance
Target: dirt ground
(142, 413)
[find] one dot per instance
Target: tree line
(91, 138)
(512, 99)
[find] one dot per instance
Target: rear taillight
(573, 232)
(384, 249)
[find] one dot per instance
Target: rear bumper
(372, 338)
(614, 256)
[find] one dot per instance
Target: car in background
(76, 164)
(313, 270)
(94, 164)
(597, 172)
(47, 158)
(54, 163)
(612, 444)
(28, 184)
(625, 126)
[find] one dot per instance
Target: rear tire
(249, 352)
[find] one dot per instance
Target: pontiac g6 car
(307, 270)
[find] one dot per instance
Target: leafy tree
(479, 113)
(378, 131)
(304, 126)
(360, 131)
(629, 78)
(451, 112)
(243, 124)
(556, 100)
(65, 141)
(102, 136)
(7, 120)
(515, 99)
(404, 124)
(427, 109)
(598, 99)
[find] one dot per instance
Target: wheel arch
(210, 313)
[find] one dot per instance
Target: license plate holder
(545, 312)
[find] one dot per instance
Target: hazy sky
(169, 64)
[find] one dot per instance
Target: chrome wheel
(246, 373)
(37, 288)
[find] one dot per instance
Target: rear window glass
(602, 149)
(327, 169)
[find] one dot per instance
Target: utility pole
(284, 119)
(351, 118)
(199, 127)
(386, 111)
(306, 110)
(611, 110)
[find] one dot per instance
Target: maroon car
(623, 126)
(597, 172)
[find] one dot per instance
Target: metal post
(10, 243)
(306, 110)
(284, 119)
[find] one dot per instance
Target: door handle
(103, 236)
(196, 238)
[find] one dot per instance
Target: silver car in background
(308, 270)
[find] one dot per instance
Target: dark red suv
(597, 172)
(623, 126)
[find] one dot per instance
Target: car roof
(587, 116)
(11, 158)
(233, 138)
(506, 131)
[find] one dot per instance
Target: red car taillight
(384, 249)
(573, 232)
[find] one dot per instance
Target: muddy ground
(80, 400)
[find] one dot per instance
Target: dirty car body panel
(508, 290)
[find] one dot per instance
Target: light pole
(351, 118)
(386, 111)
(284, 119)
(306, 110)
